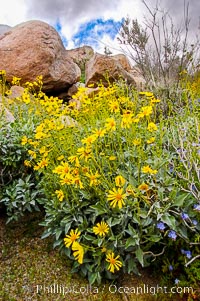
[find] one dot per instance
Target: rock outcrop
(122, 59)
(81, 55)
(16, 91)
(35, 48)
(102, 67)
(138, 78)
(4, 111)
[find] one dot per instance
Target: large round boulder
(35, 48)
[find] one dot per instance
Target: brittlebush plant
(111, 173)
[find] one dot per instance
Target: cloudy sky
(90, 22)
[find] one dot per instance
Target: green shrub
(121, 181)
(115, 198)
(18, 184)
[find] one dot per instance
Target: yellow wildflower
(2, 72)
(90, 139)
(114, 106)
(74, 159)
(32, 154)
(120, 181)
(75, 172)
(146, 93)
(112, 158)
(27, 163)
(143, 186)
(43, 151)
(126, 122)
(152, 127)
(113, 261)
(137, 141)
(60, 195)
(24, 140)
(61, 157)
(33, 143)
(104, 250)
(41, 164)
(77, 181)
(84, 153)
(136, 120)
(93, 178)
(44, 162)
(85, 169)
(101, 229)
(40, 135)
(151, 140)
(72, 237)
(15, 80)
(147, 169)
(130, 190)
(66, 179)
(65, 168)
(145, 111)
(126, 119)
(99, 132)
(78, 252)
(58, 169)
(26, 97)
(111, 124)
(154, 100)
(116, 196)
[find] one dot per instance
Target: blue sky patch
(90, 33)
(58, 28)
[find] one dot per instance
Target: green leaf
(89, 237)
(146, 222)
(83, 269)
(92, 277)
(139, 256)
(179, 201)
(183, 231)
(99, 209)
(155, 238)
(100, 241)
(58, 233)
(89, 267)
(130, 242)
(131, 265)
(113, 221)
(67, 227)
(136, 219)
(132, 181)
(169, 220)
(46, 234)
(131, 230)
(143, 214)
(86, 195)
(57, 243)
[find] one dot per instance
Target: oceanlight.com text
(112, 289)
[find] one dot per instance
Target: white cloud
(72, 14)
(13, 12)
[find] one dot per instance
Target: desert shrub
(121, 180)
(161, 48)
(18, 183)
(112, 174)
